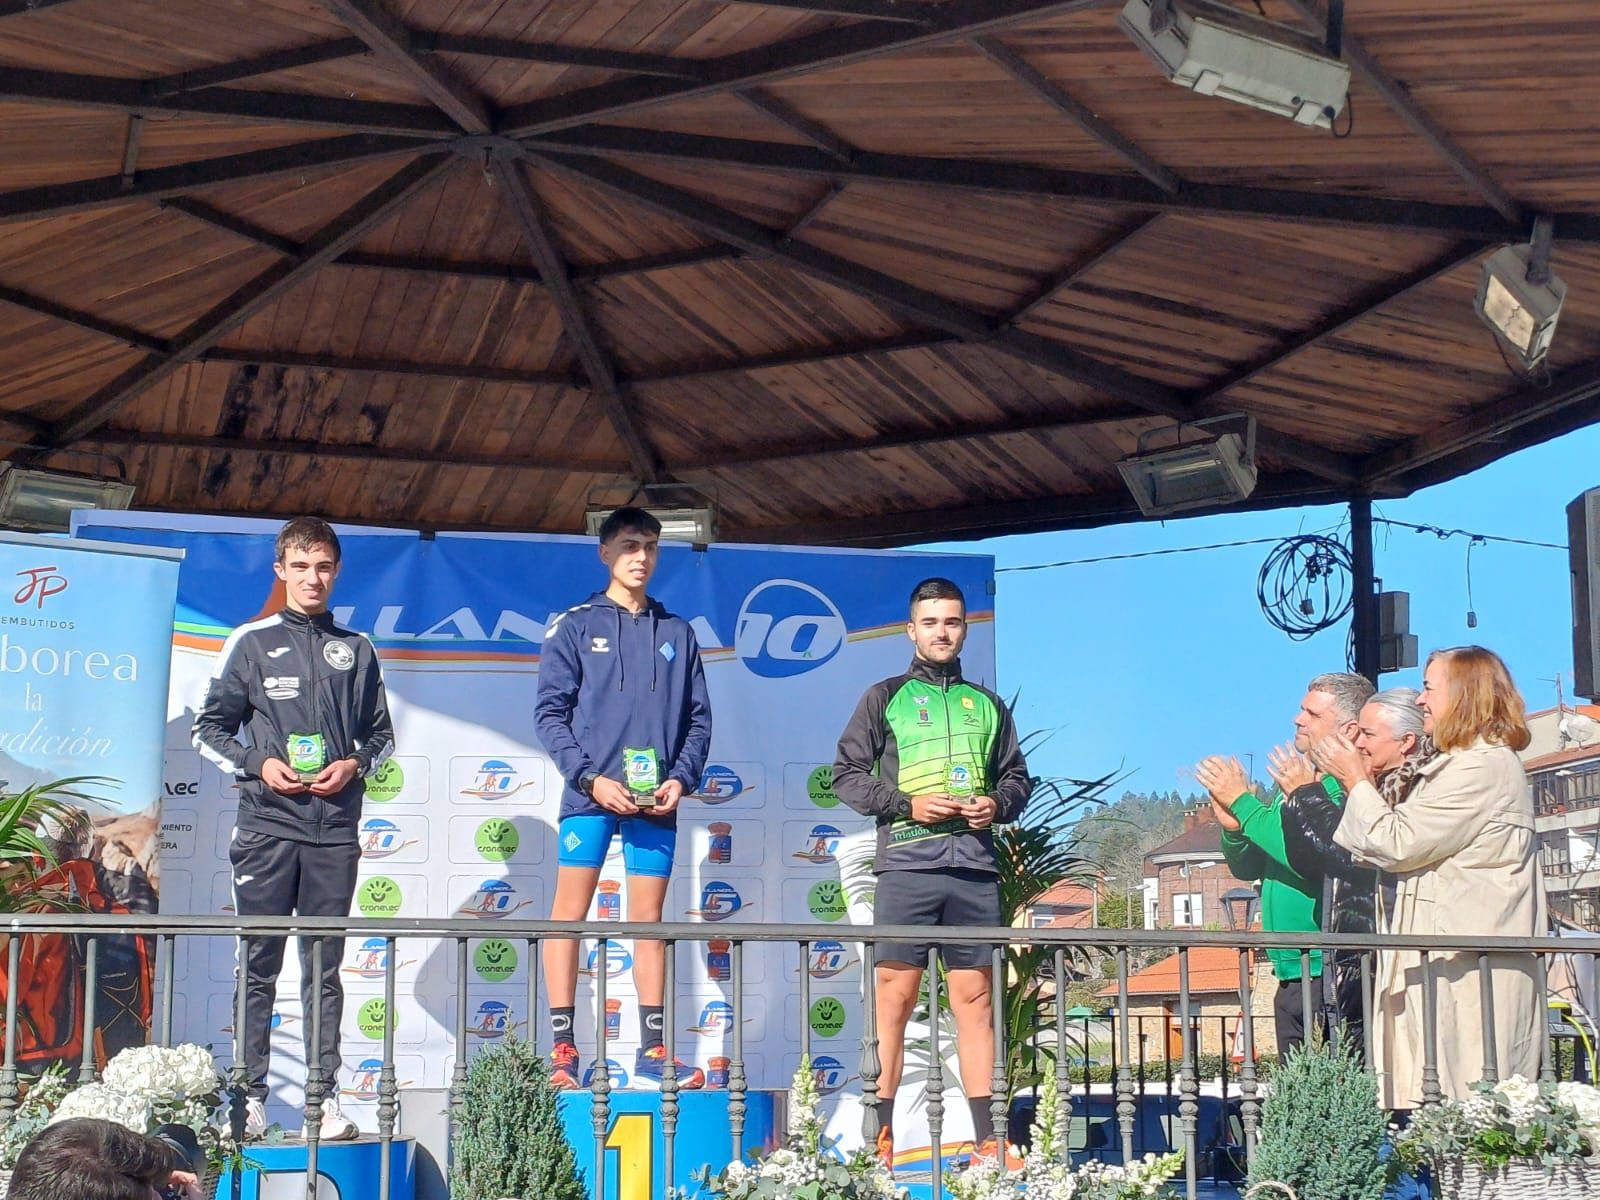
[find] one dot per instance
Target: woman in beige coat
(1464, 854)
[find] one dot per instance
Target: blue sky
(1156, 662)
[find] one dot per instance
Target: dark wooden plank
(62, 312)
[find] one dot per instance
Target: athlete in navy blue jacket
(623, 711)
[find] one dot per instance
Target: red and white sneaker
(989, 1152)
(564, 1067)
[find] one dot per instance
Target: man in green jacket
(1252, 841)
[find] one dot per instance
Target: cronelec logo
(787, 628)
(39, 584)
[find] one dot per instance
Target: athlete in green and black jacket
(935, 760)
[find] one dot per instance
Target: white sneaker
(255, 1118)
(336, 1127)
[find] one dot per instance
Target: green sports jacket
(907, 736)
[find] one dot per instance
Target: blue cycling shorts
(647, 845)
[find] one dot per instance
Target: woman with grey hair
(1390, 737)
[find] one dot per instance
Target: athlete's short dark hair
(85, 1158)
(302, 533)
(631, 519)
(937, 588)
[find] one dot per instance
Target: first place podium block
(635, 1146)
(345, 1171)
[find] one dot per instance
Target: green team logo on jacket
(945, 737)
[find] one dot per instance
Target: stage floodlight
(1202, 470)
(1520, 302)
(1222, 52)
(43, 501)
(696, 525)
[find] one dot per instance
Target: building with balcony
(1563, 765)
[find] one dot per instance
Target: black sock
(561, 1026)
(982, 1118)
(886, 1112)
(651, 1024)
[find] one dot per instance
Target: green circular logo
(497, 839)
(379, 897)
(826, 900)
(495, 960)
(827, 1017)
(370, 1018)
(819, 787)
(384, 784)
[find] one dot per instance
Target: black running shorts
(946, 896)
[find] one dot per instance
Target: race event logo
(364, 1081)
(822, 845)
(279, 1021)
(492, 1020)
(338, 655)
(385, 784)
(819, 787)
(39, 584)
(379, 897)
(826, 900)
(370, 960)
(718, 901)
(495, 898)
(381, 838)
(719, 784)
(829, 959)
(787, 628)
(495, 960)
(496, 840)
(829, 1073)
(618, 960)
(495, 780)
(826, 1017)
(619, 1077)
(716, 1020)
(370, 1018)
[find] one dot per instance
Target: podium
(635, 1147)
(345, 1171)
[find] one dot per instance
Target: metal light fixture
(686, 512)
(696, 525)
(1241, 904)
(1222, 52)
(1200, 472)
(43, 501)
(1520, 298)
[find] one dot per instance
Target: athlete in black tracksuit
(294, 673)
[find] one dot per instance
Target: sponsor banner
(463, 820)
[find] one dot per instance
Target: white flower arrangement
(1517, 1118)
(809, 1161)
(1048, 1174)
(107, 1104)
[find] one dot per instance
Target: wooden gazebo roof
(868, 271)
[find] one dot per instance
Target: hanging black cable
(1306, 585)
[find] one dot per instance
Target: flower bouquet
(1516, 1138)
(809, 1167)
(1048, 1174)
(142, 1088)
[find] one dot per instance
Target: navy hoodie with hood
(610, 679)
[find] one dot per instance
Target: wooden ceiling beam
(57, 88)
(162, 439)
(930, 309)
(1058, 98)
(817, 51)
(555, 54)
(904, 11)
(391, 41)
(785, 114)
(1121, 191)
(137, 338)
(11, 8)
(332, 240)
(160, 182)
(260, 64)
(805, 356)
(357, 365)
(1571, 398)
(1401, 102)
(575, 320)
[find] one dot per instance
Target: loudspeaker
(1583, 550)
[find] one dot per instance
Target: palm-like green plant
(25, 856)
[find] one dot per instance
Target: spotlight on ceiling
(686, 513)
(1202, 469)
(43, 501)
(1242, 58)
(1520, 298)
(696, 525)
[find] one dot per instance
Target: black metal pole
(1365, 615)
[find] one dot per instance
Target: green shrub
(1321, 1128)
(508, 1142)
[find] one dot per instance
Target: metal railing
(1130, 1077)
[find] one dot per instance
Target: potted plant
(1048, 1174)
(1516, 1138)
(508, 1142)
(809, 1166)
(1322, 1132)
